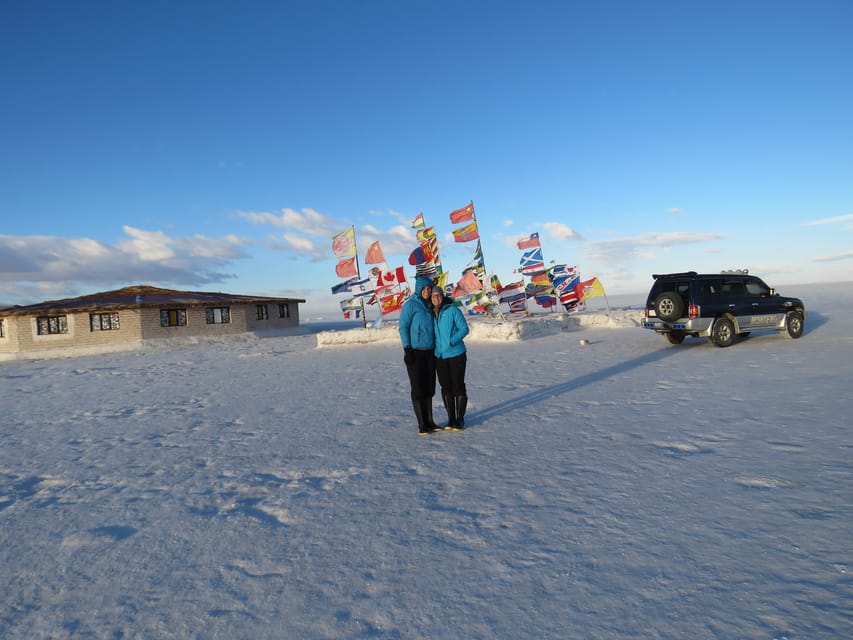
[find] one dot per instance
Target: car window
(709, 288)
(734, 288)
(757, 288)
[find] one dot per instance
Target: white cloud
(149, 246)
(39, 267)
(845, 220)
(560, 231)
(847, 255)
(624, 249)
(299, 243)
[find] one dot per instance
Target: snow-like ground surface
(271, 488)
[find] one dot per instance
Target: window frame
(61, 322)
(283, 309)
(217, 315)
(113, 321)
(180, 315)
(262, 312)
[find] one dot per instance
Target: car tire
(795, 323)
(669, 306)
(723, 332)
(674, 338)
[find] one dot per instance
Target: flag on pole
(464, 214)
(341, 287)
(391, 303)
(425, 235)
(361, 287)
(469, 283)
(346, 267)
(394, 278)
(589, 289)
(441, 280)
(531, 261)
(466, 233)
(529, 242)
(418, 222)
(374, 254)
(350, 304)
(343, 244)
(540, 278)
(422, 254)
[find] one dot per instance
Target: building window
(47, 325)
(262, 311)
(103, 321)
(2, 328)
(283, 310)
(217, 315)
(173, 317)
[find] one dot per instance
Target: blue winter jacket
(450, 331)
(417, 321)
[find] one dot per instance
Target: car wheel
(723, 333)
(669, 306)
(674, 338)
(794, 324)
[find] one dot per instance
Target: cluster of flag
(382, 286)
(546, 286)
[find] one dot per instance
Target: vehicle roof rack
(684, 274)
(740, 272)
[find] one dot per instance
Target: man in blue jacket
(450, 357)
(417, 333)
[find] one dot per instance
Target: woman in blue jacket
(451, 358)
(417, 333)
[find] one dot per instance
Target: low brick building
(123, 319)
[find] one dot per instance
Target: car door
(736, 301)
(766, 311)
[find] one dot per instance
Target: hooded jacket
(417, 322)
(450, 330)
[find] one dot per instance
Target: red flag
(391, 278)
(374, 254)
(530, 242)
(466, 233)
(462, 215)
(422, 254)
(346, 268)
(392, 303)
(469, 283)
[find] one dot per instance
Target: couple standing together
(432, 330)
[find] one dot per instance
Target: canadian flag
(391, 278)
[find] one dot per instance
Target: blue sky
(219, 145)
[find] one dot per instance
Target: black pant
(422, 374)
(451, 374)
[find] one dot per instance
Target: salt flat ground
(273, 489)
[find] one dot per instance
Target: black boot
(450, 407)
(461, 405)
(428, 421)
(423, 412)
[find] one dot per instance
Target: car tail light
(693, 311)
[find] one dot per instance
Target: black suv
(719, 306)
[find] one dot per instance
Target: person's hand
(409, 356)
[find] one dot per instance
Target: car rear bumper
(696, 327)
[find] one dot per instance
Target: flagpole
(483, 258)
(358, 274)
